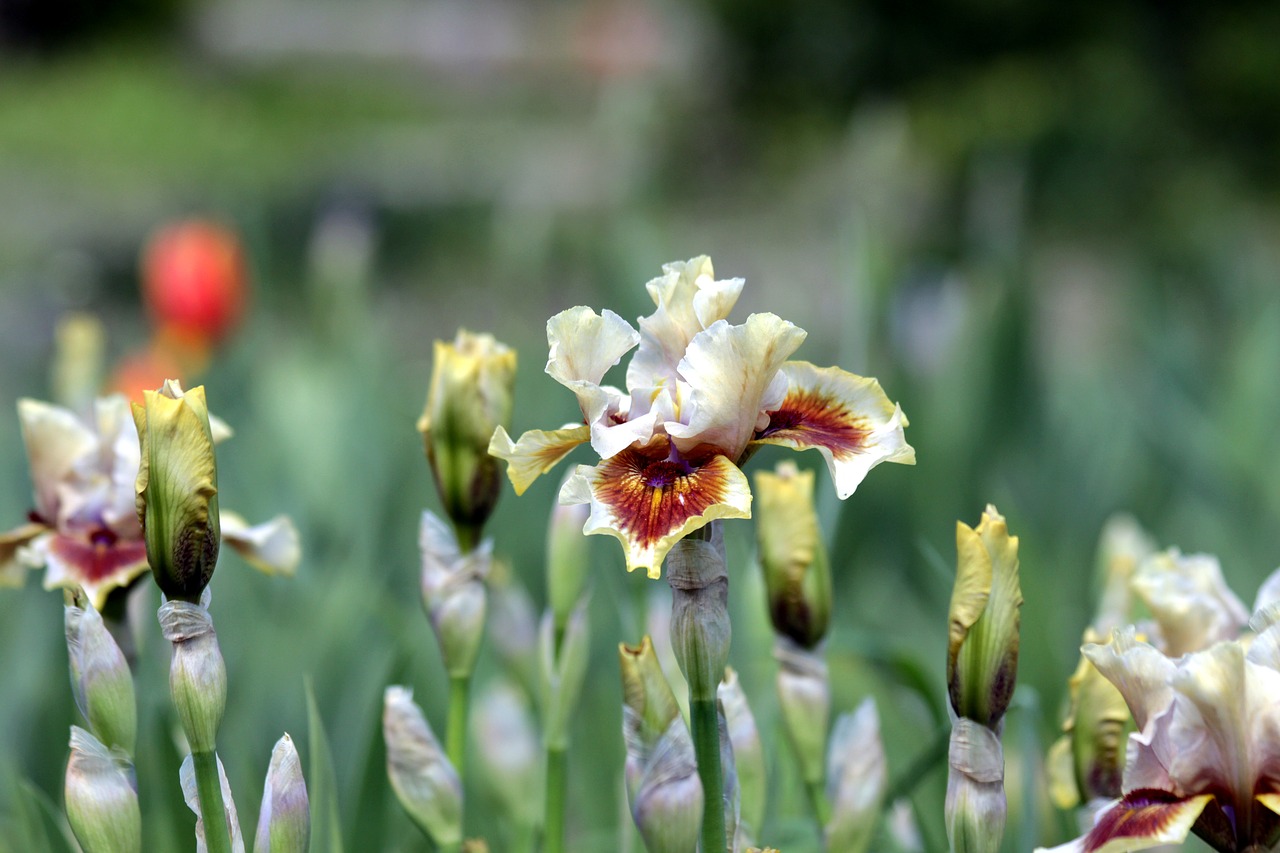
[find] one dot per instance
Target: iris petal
(536, 452)
(847, 418)
(97, 566)
(1144, 819)
(650, 502)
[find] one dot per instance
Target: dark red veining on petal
(100, 556)
(651, 496)
(1143, 813)
(810, 419)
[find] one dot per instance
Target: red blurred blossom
(194, 280)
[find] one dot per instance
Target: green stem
(456, 733)
(557, 795)
(213, 813)
(818, 799)
(706, 746)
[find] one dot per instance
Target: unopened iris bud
(796, 569)
(425, 782)
(857, 777)
(748, 755)
(700, 627)
(975, 806)
(284, 821)
(507, 746)
(562, 674)
(100, 678)
(982, 649)
(472, 381)
(804, 694)
(1087, 763)
(661, 770)
(567, 560)
(197, 673)
(177, 489)
(101, 797)
(453, 593)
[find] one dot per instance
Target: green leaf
(326, 824)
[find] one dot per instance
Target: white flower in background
(1190, 603)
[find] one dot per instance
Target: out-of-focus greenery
(1057, 248)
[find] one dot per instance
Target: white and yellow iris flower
(1207, 756)
(84, 528)
(702, 395)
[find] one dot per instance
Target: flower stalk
(700, 635)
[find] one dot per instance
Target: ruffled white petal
(1139, 671)
(1189, 600)
(57, 442)
(272, 547)
(728, 370)
(536, 452)
(583, 345)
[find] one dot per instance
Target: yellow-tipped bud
(472, 381)
(284, 821)
(982, 649)
(797, 572)
(177, 489)
(101, 797)
(100, 678)
(425, 782)
(661, 771)
(1087, 763)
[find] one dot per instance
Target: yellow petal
(536, 452)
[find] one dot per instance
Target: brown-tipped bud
(472, 382)
(797, 572)
(567, 560)
(100, 679)
(177, 489)
(975, 806)
(425, 782)
(804, 694)
(453, 593)
(284, 821)
(700, 628)
(982, 649)
(191, 794)
(748, 755)
(101, 797)
(661, 770)
(509, 751)
(857, 777)
(562, 674)
(197, 673)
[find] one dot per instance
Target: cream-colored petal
(1139, 672)
(272, 547)
(584, 345)
(57, 442)
(1140, 821)
(536, 452)
(689, 299)
(13, 569)
(728, 369)
(847, 418)
(1266, 608)
(649, 503)
(1189, 600)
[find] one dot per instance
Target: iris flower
(701, 396)
(84, 528)
(1207, 756)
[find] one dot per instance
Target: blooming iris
(702, 395)
(84, 527)
(1206, 758)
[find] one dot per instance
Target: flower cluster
(701, 396)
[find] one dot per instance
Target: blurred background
(1051, 230)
